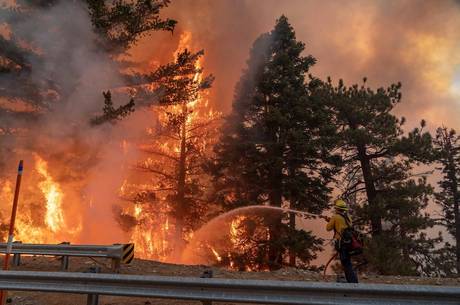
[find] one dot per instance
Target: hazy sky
(416, 42)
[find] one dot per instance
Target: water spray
(214, 225)
(267, 207)
(289, 210)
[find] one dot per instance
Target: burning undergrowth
(43, 218)
(240, 239)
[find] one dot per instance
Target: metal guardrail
(117, 253)
(111, 251)
(228, 290)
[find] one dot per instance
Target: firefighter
(340, 221)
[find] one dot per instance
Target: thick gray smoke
(89, 163)
(415, 42)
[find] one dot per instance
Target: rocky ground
(154, 268)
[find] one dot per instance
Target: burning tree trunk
(179, 145)
(180, 208)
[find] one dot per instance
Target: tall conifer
(276, 140)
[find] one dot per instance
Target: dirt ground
(146, 267)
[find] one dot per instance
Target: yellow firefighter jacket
(338, 224)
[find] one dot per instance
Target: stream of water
(217, 228)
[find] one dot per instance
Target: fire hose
(328, 263)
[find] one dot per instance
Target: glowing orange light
(51, 190)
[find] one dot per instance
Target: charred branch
(111, 114)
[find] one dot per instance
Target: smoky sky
(413, 42)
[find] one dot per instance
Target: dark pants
(345, 259)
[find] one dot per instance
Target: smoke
(89, 164)
(415, 42)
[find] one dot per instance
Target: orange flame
(153, 231)
(31, 226)
(54, 218)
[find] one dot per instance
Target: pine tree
(273, 145)
(378, 174)
(447, 145)
(370, 134)
(15, 82)
(178, 147)
(26, 82)
(17, 61)
(403, 247)
(121, 23)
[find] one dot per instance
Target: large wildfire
(41, 218)
(155, 233)
(112, 183)
(45, 217)
(52, 210)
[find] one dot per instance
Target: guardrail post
(116, 265)
(116, 261)
(93, 299)
(207, 274)
(65, 259)
(17, 256)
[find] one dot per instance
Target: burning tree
(178, 146)
(275, 147)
